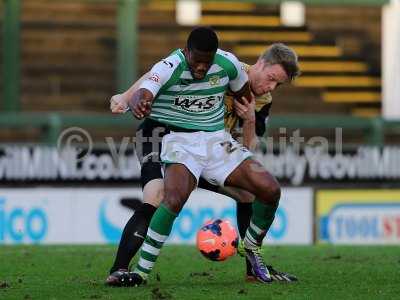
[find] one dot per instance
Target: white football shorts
(212, 155)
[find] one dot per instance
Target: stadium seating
(346, 81)
(68, 53)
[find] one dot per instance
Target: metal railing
(52, 124)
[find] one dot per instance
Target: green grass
(78, 272)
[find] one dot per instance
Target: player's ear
(186, 52)
(260, 62)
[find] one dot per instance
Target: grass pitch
(78, 272)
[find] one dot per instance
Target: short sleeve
(241, 76)
(235, 69)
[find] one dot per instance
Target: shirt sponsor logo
(197, 103)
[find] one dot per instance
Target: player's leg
(180, 152)
(153, 187)
(244, 202)
(228, 165)
(179, 182)
(135, 229)
(252, 177)
(244, 213)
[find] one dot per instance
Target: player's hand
(118, 105)
(246, 109)
(141, 108)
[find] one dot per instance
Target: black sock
(133, 236)
(243, 216)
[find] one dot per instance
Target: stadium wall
(97, 215)
(48, 196)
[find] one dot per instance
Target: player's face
(199, 62)
(265, 78)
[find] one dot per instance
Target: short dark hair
(203, 39)
(281, 54)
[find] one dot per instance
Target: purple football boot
(258, 267)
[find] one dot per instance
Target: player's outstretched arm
(119, 102)
(141, 100)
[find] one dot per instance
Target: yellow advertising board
(358, 216)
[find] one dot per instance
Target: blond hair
(283, 55)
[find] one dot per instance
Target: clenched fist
(118, 104)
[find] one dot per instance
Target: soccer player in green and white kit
(276, 66)
(185, 92)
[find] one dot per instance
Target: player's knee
(160, 194)
(173, 204)
(275, 192)
(150, 171)
(153, 192)
(245, 197)
(271, 193)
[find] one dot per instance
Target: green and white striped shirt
(185, 102)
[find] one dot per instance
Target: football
(217, 240)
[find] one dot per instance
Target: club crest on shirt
(214, 80)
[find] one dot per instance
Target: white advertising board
(93, 215)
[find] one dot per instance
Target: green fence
(318, 2)
(52, 124)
